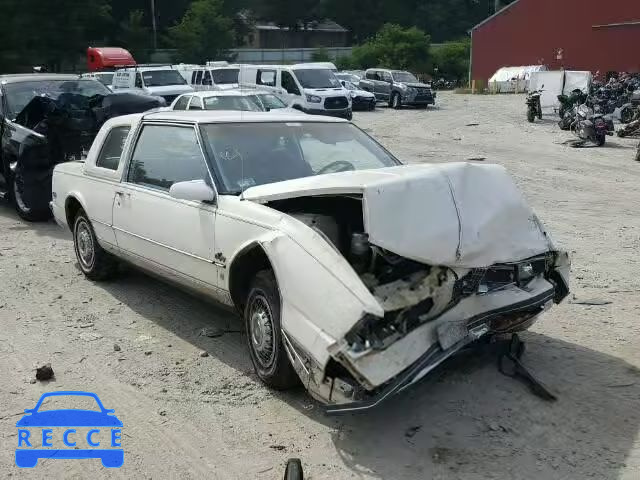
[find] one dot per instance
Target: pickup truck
(397, 88)
(355, 275)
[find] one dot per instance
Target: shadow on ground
(464, 419)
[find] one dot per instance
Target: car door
(292, 95)
(385, 85)
(172, 237)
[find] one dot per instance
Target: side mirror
(195, 190)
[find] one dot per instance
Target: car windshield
(231, 103)
(19, 94)
(105, 78)
(348, 77)
(267, 100)
(225, 76)
(316, 78)
(287, 150)
(69, 402)
(404, 77)
(349, 86)
(162, 78)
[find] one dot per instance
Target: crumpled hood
(458, 214)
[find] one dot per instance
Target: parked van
(161, 81)
(213, 76)
(311, 88)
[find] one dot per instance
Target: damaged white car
(355, 274)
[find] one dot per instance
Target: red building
(572, 34)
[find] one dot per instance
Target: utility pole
(153, 23)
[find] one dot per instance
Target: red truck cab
(108, 58)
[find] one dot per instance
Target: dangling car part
(356, 275)
(49, 119)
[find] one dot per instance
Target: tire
(294, 470)
(626, 116)
(396, 101)
(94, 262)
(25, 211)
(601, 139)
(264, 333)
(349, 115)
(638, 154)
(531, 115)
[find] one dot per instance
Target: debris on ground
(116, 347)
(44, 373)
(476, 159)
(591, 301)
(148, 352)
(411, 431)
(212, 332)
(278, 447)
(204, 353)
(472, 124)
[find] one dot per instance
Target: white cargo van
(161, 81)
(213, 76)
(311, 88)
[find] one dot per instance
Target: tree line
(49, 33)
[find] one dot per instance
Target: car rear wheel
(396, 101)
(25, 210)
(264, 333)
(294, 470)
(93, 260)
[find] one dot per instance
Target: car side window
(370, 75)
(386, 76)
(165, 155)
(206, 80)
(199, 77)
(266, 77)
(138, 80)
(112, 147)
(182, 102)
(289, 84)
(196, 103)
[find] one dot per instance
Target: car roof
(222, 116)
(227, 93)
(30, 77)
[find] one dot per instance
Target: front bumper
(363, 103)
(476, 326)
(342, 113)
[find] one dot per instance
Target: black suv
(46, 119)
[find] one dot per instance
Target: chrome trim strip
(167, 246)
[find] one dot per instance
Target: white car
(356, 275)
(248, 100)
(361, 99)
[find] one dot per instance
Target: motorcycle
(567, 102)
(631, 111)
(590, 126)
(631, 129)
(534, 107)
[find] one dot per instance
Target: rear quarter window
(111, 151)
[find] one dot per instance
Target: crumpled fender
(322, 297)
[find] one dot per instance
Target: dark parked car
(397, 87)
(46, 119)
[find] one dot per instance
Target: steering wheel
(342, 166)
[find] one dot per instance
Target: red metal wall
(531, 32)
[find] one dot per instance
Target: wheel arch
(72, 206)
(251, 259)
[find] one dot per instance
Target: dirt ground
(186, 416)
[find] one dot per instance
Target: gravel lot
(186, 416)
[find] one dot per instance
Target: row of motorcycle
(590, 115)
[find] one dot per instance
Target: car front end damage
(373, 299)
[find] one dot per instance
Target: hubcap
(262, 337)
(84, 244)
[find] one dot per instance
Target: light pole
(153, 24)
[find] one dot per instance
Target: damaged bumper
(355, 382)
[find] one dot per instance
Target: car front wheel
(93, 260)
(264, 333)
(26, 210)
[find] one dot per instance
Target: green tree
(452, 59)
(395, 47)
(136, 36)
(321, 55)
(204, 33)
